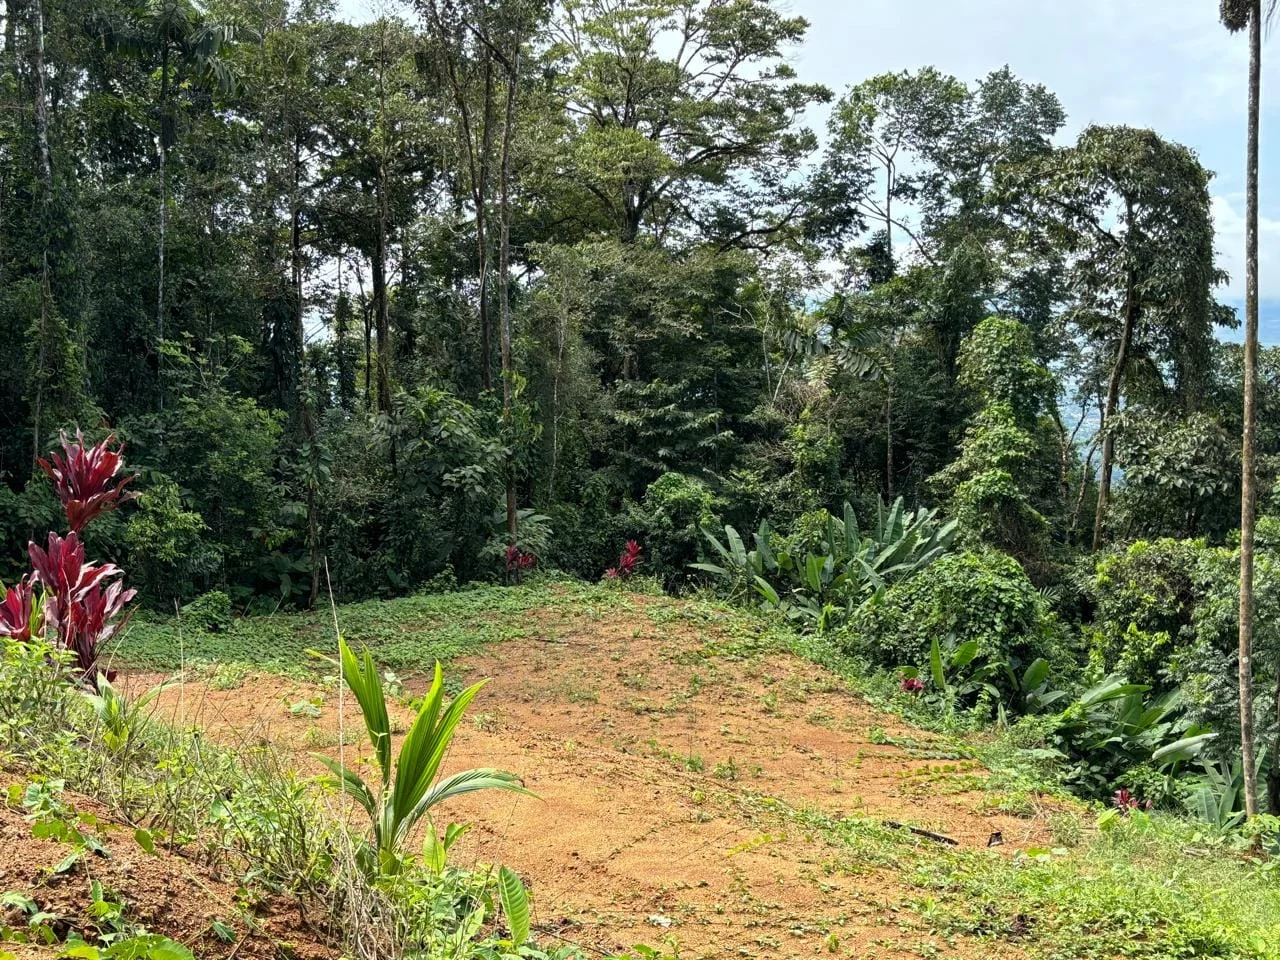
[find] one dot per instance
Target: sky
(1164, 64)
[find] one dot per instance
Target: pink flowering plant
(73, 604)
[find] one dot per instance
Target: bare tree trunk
(306, 419)
(478, 166)
(382, 314)
(888, 440)
(44, 164)
(480, 194)
(504, 269)
(164, 221)
(1113, 404)
(1248, 493)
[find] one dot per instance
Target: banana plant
(406, 791)
(956, 674)
(830, 578)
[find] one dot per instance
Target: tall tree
(184, 46)
(682, 116)
(1238, 15)
(1129, 212)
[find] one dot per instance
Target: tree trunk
(306, 419)
(504, 269)
(164, 222)
(44, 167)
(1113, 404)
(888, 440)
(1248, 493)
(480, 198)
(381, 312)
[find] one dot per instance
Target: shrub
(828, 566)
(210, 611)
(1144, 598)
(166, 546)
(669, 523)
(79, 605)
(981, 596)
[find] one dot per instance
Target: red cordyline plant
(87, 479)
(1124, 801)
(628, 563)
(21, 616)
(519, 562)
(80, 604)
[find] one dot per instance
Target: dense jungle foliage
(485, 289)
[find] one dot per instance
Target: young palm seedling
(406, 791)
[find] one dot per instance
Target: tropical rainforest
(504, 292)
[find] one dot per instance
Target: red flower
(18, 616)
(611, 573)
(85, 479)
(912, 685)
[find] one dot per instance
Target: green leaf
(1181, 750)
(69, 861)
(349, 782)
(935, 666)
(765, 589)
(366, 684)
(515, 904)
(963, 655)
(145, 840)
(1035, 674)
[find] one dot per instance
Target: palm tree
(1238, 15)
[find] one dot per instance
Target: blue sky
(1165, 64)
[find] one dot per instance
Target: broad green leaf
(1182, 750)
(515, 904)
(935, 666)
(1035, 674)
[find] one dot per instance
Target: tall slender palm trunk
(1248, 491)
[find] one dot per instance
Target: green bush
(668, 524)
(981, 596)
(1144, 598)
(210, 611)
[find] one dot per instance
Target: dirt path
(668, 780)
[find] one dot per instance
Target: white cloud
(1165, 64)
(1228, 220)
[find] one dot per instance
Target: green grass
(406, 635)
(1149, 888)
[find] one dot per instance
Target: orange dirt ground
(166, 893)
(654, 761)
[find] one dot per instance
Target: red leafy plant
(628, 562)
(912, 685)
(21, 616)
(80, 605)
(1124, 801)
(519, 562)
(87, 479)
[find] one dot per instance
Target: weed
(726, 770)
